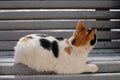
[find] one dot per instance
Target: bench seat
(58, 18)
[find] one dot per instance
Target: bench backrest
(58, 18)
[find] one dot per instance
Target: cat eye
(73, 42)
(93, 41)
(89, 31)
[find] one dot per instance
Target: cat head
(83, 36)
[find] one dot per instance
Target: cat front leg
(88, 60)
(91, 68)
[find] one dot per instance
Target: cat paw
(94, 68)
(91, 68)
(88, 60)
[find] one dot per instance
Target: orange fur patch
(67, 41)
(79, 25)
(81, 39)
(68, 50)
(82, 35)
(25, 39)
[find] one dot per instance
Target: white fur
(36, 57)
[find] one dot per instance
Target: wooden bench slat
(6, 54)
(16, 34)
(107, 35)
(108, 57)
(9, 45)
(59, 4)
(16, 69)
(53, 24)
(6, 60)
(100, 76)
(38, 14)
(107, 45)
(94, 52)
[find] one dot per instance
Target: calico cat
(63, 56)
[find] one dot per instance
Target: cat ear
(79, 25)
(91, 35)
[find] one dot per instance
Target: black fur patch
(89, 31)
(93, 41)
(45, 44)
(73, 42)
(30, 37)
(55, 49)
(59, 38)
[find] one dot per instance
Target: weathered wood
(60, 4)
(6, 54)
(9, 45)
(41, 14)
(100, 76)
(108, 57)
(104, 52)
(107, 45)
(54, 24)
(94, 52)
(16, 34)
(16, 69)
(6, 60)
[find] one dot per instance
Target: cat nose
(95, 30)
(90, 30)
